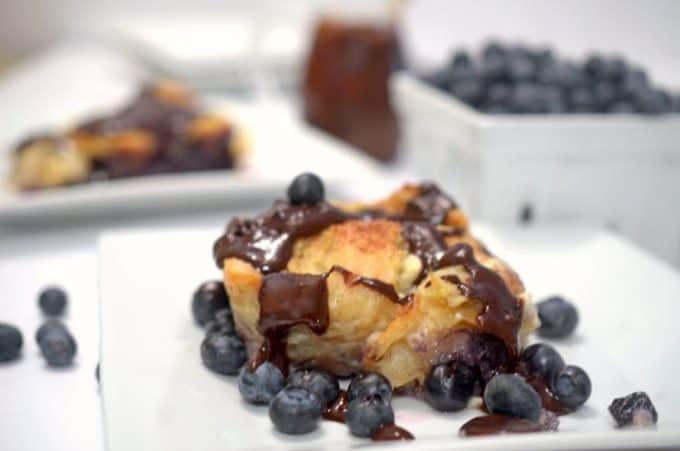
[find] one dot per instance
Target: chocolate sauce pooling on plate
(391, 432)
(498, 424)
(336, 410)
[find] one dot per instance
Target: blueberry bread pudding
(163, 130)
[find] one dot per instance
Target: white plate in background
(157, 396)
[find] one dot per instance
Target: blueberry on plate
(323, 384)
(223, 353)
(295, 410)
(58, 347)
(365, 415)
(222, 323)
(449, 386)
(558, 317)
(543, 361)
(52, 301)
(10, 342)
(306, 189)
(509, 394)
(368, 384)
(572, 386)
(260, 386)
(208, 298)
(635, 409)
(51, 324)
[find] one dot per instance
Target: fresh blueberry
(653, 101)
(208, 298)
(495, 69)
(440, 79)
(572, 386)
(605, 93)
(368, 384)
(558, 317)
(498, 93)
(581, 100)
(365, 415)
(49, 325)
(223, 353)
(448, 387)
(614, 69)
(543, 361)
(509, 394)
(58, 347)
(222, 323)
(493, 49)
(521, 69)
(460, 59)
(635, 409)
(527, 98)
(594, 66)
(295, 410)
(10, 342)
(306, 189)
(468, 91)
(260, 386)
(322, 383)
(621, 107)
(52, 301)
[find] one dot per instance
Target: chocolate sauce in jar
(336, 410)
(498, 424)
(388, 432)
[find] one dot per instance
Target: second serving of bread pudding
(394, 286)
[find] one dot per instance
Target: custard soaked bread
(394, 286)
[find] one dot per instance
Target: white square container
(619, 171)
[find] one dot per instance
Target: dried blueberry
(448, 387)
(260, 386)
(509, 394)
(369, 384)
(365, 415)
(52, 301)
(208, 299)
(543, 361)
(635, 409)
(322, 383)
(223, 353)
(295, 410)
(572, 386)
(306, 189)
(11, 341)
(58, 347)
(558, 317)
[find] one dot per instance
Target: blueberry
(581, 100)
(460, 59)
(208, 298)
(369, 384)
(614, 69)
(468, 91)
(223, 323)
(323, 384)
(605, 93)
(306, 189)
(52, 301)
(10, 342)
(222, 353)
(49, 325)
(621, 107)
(495, 69)
(493, 49)
(543, 361)
(572, 386)
(558, 317)
(448, 387)
(653, 101)
(509, 394)
(521, 69)
(498, 93)
(440, 79)
(260, 386)
(527, 98)
(365, 415)
(635, 409)
(295, 410)
(58, 347)
(594, 66)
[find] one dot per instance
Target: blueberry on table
(222, 323)
(323, 384)
(49, 325)
(52, 301)
(509, 394)
(368, 384)
(635, 409)
(260, 386)
(543, 361)
(209, 298)
(295, 410)
(58, 347)
(449, 386)
(10, 342)
(306, 189)
(572, 386)
(365, 415)
(558, 317)
(223, 353)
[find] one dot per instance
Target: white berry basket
(620, 171)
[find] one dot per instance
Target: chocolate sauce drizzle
(386, 289)
(391, 432)
(337, 410)
(498, 424)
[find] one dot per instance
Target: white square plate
(158, 396)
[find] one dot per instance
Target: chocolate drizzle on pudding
(498, 424)
(337, 410)
(431, 205)
(501, 312)
(384, 288)
(391, 431)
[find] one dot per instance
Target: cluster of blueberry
(507, 79)
(56, 343)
